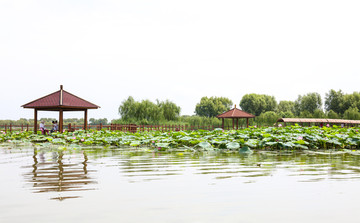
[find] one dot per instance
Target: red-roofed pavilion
(235, 114)
(60, 101)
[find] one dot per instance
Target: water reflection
(57, 174)
(202, 187)
(305, 167)
(60, 172)
(146, 167)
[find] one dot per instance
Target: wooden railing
(119, 127)
(143, 128)
(11, 127)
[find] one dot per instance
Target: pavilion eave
(64, 108)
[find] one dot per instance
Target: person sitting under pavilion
(43, 129)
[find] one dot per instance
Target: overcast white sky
(106, 50)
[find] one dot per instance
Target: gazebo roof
(235, 113)
(60, 100)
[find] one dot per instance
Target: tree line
(337, 105)
(147, 112)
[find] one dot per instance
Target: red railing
(143, 128)
(119, 127)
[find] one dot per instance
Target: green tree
(333, 115)
(318, 113)
(23, 121)
(127, 109)
(75, 121)
(286, 106)
(147, 112)
(99, 121)
(258, 103)
(169, 109)
(352, 114)
(196, 120)
(351, 101)
(334, 100)
(308, 103)
(287, 114)
(268, 118)
(213, 106)
(306, 114)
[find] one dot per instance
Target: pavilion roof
(235, 113)
(60, 100)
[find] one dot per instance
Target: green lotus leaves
(39, 138)
(135, 143)
(300, 146)
(162, 145)
(194, 142)
(353, 141)
(334, 142)
(58, 141)
(273, 138)
(245, 150)
(287, 145)
(301, 142)
(204, 145)
(252, 143)
(185, 138)
(232, 145)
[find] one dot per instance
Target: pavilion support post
(247, 122)
(233, 123)
(85, 119)
(61, 120)
(237, 123)
(222, 125)
(35, 120)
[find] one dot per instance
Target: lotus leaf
(135, 143)
(204, 145)
(232, 145)
(252, 143)
(58, 141)
(162, 145)
(245, 150)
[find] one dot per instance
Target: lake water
(40, 184)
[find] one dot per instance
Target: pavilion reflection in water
(59, 176)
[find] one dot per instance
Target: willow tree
(258, 103)
(213, 106)
(334, 100)
(308, 103)
(146, 111)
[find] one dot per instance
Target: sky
(105, 51)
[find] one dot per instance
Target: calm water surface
(44, 184)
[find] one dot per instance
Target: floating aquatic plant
(272, 138)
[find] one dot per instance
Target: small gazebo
(235, 114)
(60, 101)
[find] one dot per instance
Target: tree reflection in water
(305, 166)
(69, 177)
(57, 176)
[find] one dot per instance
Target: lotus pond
(293, 138)
(291, 174)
